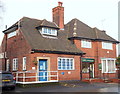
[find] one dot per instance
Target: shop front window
(85, 67)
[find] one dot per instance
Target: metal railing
(29, 77)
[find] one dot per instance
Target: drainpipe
(5, 53)
(81, 67)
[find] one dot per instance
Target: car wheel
(12, 88)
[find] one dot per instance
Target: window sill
(109, 72)
(107, 49)
(85, 72)
(87, 47)
(14, 70)
(66, 69)
(24, 70)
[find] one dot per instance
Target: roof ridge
(43, 21)
(81, 22)
(31, 18)
(47, 21)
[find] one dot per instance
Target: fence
(29, 77)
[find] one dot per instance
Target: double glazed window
(49, 31)
(15, 64)
(65, 63)
(108, 65)
(86, 44)
(107, 45)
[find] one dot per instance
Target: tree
(1, 11)
(118, 61)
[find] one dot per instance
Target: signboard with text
(89, 60)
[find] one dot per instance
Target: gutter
(12, 28)
(56, 52)
(93, 39)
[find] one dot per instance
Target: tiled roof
(48, 24)
(78, 29)
(37, 41)
(73, 29)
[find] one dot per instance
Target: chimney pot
(60, 3)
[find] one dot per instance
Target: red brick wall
(17, 47)
(96, 52)
(75, 74)
(3, 50)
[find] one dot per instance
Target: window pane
(104, 69)
(113, 65)
(85, 44)
(44, 30)
(109, 66)
(59, 64)
(66, 64)
(12, 34)
(63, 63)
(49, 31)
(107, 45)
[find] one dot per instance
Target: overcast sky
(102, 14)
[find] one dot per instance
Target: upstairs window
(107, 45)
(86, 44)
(49, 31)
(11, 34)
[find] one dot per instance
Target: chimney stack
(58, 15)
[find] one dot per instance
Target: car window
(7, 76)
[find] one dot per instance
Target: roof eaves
(56, 52)
(81, 38)
(107, 40)
(10, 29)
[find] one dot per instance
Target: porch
(32, 77)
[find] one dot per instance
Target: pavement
(71, 87)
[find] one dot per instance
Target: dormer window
(49, 31)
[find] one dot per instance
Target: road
(71, 87)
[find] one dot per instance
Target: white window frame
(7, 65)
(107, 65)
(107, 45)
(86, 43)
(15, 64)
(24, 63)
(49, 31)
(73, 65)
(11, 34)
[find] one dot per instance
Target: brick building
(42, 51)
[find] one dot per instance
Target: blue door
(42, 70)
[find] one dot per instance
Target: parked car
(7, 80)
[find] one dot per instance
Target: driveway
(71, 87)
